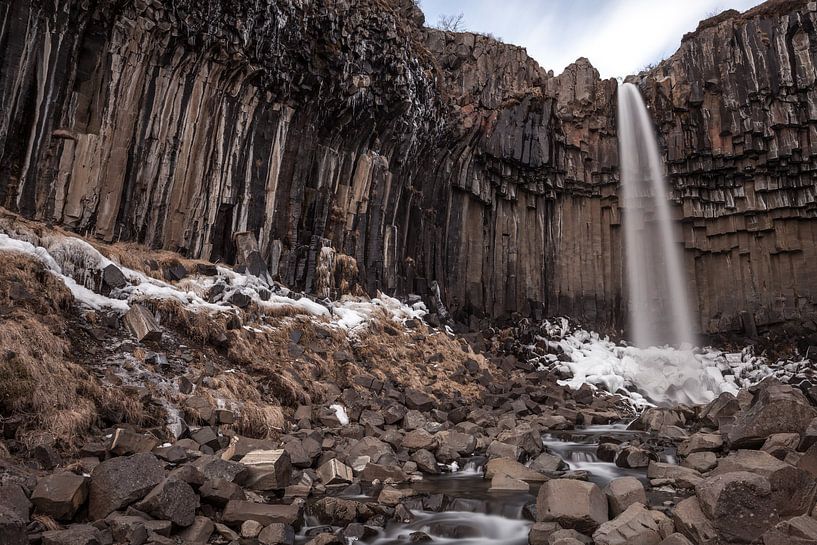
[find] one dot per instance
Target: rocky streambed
(740, 469)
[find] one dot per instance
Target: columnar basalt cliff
(431, 158)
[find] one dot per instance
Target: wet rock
(335, 472)
(681, 477)
(548, 463)
(739, 504)
(633, 457)
(60, 495)
(172, 500)
(276, 534)
(199, 531)
(513, 469)
(78, 534)
(238, 511)
(391, 496)
(690, 520)
(142, 324)
(267, 469)
(623, 492)
(777, 408)
(635, 526)
(540, 532)
(502, 482)
(573, 504)
(607, 452)
(701, 461)
(118, 482)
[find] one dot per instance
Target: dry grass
(141, 258)
(38, 379)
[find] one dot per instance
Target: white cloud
(618, 36)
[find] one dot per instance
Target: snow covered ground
(79, 265)
(657, 375)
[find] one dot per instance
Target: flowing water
(659, 304)
(472, 514)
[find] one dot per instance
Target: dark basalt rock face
(431, 158)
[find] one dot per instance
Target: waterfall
(659, 304)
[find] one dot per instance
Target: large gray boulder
(776, 408)
(635, 526)
(623, 492)
(172, 500)
(690, 520)
(119, 482)
(60, 495)
(739, 504)
(573, 504)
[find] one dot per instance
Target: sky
(620, 37)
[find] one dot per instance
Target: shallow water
(474, 515)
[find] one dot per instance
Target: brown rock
(571, 503)
(60, 495)
(118, 482)
(623, 492)
(238, 511)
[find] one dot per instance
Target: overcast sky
(618, 36)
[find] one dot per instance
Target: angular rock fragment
(335, 472)
(142, 324)
(239, 511)
(172, 500)
(267, 469)
(118, 482)
(636, 525)
(623, 492)
(60, 495)
(573, 504)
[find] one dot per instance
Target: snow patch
(340, 413)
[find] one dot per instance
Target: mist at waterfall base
(659, 311)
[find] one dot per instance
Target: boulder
(523, 436)
(739, 504)
(776, 408)
(661, 473)
(172, 500)
(426, 462)
(267, 469)
(419, 439)
(635, 526)
(118, 482)
(690, 520)
(540, 532)
(623, 492)
(780, 445)
(126, 442)
(60, 495)
(372, 447)
(700, 442)
(463, 443)
(239, 511)
(241, 446)
(383, 473)
(701, 461)
(573, 504)
(548, 463)
(335, 472)
(513, 469)
(633, 457)
(218, 492)
(142, 324)
(276, 534)
(722, 407)
(420, 401)
(391, 496)
(213, 467)
(13, 498)
(498, 449)
(127, 528)
(12, 526)
(340, 512)
(800, 530)
(505, 483)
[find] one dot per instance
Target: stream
(474, 515)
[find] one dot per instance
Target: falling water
(659, 306)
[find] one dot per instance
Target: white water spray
(659, 304)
